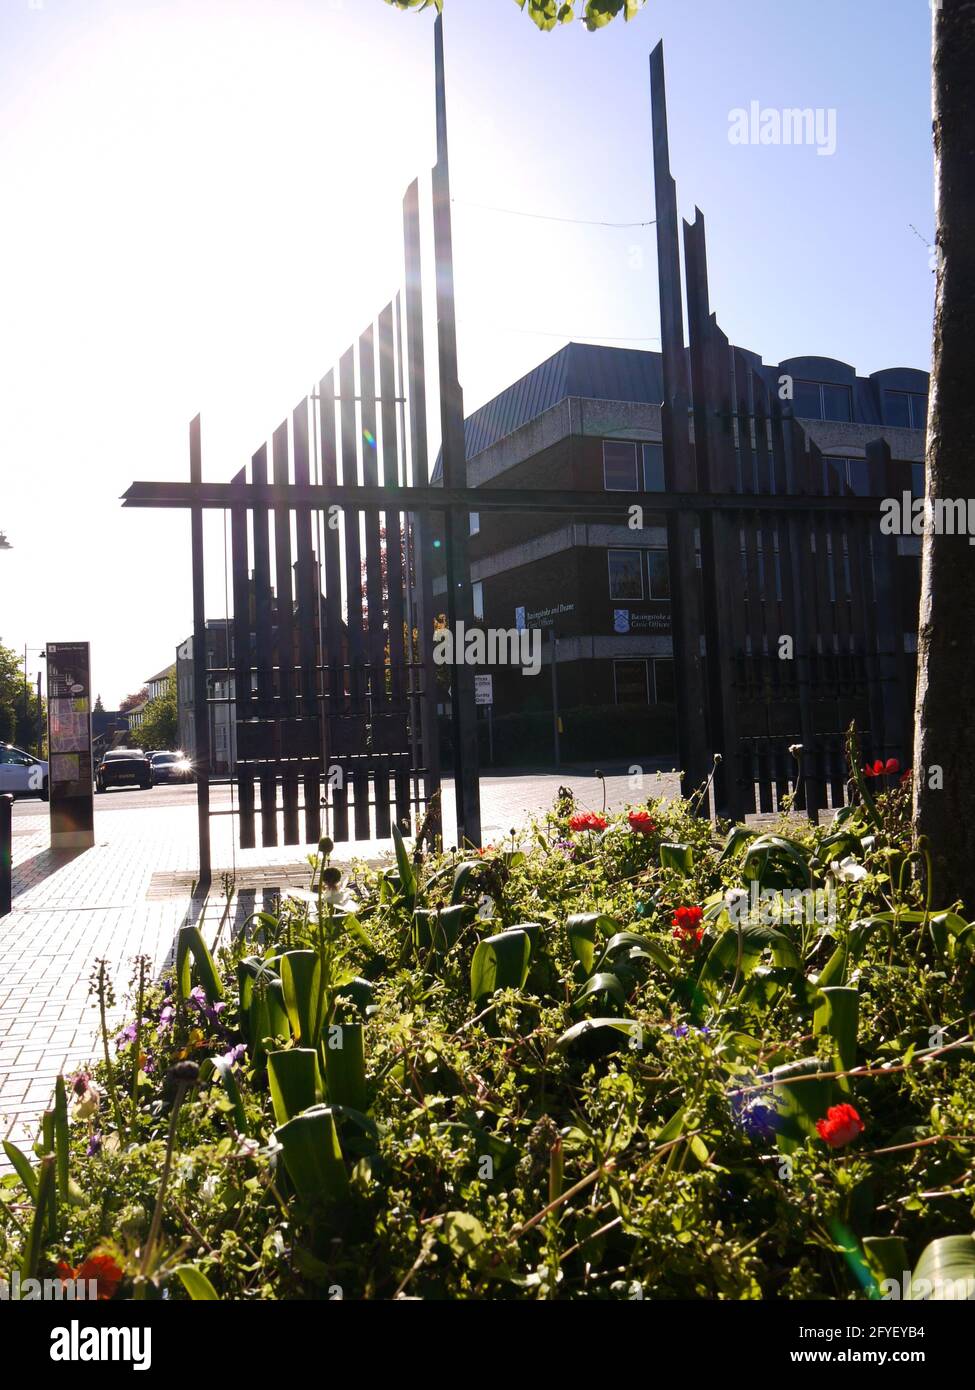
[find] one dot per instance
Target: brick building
(589, 418)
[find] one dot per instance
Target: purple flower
(760, 1121)
(166, 1016)
(235, 1055)
(126, 1036)
(94, 1145)
(211, 1012)
(681, 1031)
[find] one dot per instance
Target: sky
(202, 208)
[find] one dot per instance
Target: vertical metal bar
(710, 376)
(460, 600)
(308, 601)
(333, 654)
(679, 463)
(243, 679)
(375, 635)
(287, 705)
(201, 712)
(400, 636)
(6, 854)
(266, 703)
(424, 706)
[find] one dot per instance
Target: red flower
(686, 928)
(891, 766)
(906, 776)
(587, 820)
(642, 822)
(841, 1125)
(100, 1267)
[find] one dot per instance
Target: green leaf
(301, 978)
(62, 1141)
(947, 1268)
(464, 1233)
(196, 1284)
(738, 838)
(582, 929)
(886, 1257)
(407, 877)
(345, 1065)
(44, 1203)
(500, 962)
(462, 876)
(677, 856)
(776, 863)
(597, 1037)
(22, 1167)
(801, 1102)
(294, 1081)
(627, 947)
(837, 1014)
(603, 988)
(313, 1156)
(191, 948)
(221, 1068)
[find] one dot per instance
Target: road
(507, 799)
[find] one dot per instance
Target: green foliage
(159, 728)
(389, 1100)
(547, 14)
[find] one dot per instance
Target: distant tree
(99, 707)
(160, 724)
(131, 701)
(20, 719)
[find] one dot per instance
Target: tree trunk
(944, 736)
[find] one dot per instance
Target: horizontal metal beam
(488, 499)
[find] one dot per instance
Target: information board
(70, 776)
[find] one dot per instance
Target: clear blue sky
(203, 207)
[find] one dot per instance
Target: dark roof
(579, 369)
(164, 674)
(596, 372)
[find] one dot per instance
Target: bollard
(6, 854)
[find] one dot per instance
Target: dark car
(124, 767)
(170, 767)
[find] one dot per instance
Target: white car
(21, 773)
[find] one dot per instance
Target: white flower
(736, 903)
(86, 1104)
(847, 870)
(208, 1188)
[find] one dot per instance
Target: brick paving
(129, 895)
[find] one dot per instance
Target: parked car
(170, 767)
(124, 767)
(21, 773)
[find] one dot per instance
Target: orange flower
(100, 1267)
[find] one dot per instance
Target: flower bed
(612, 1057)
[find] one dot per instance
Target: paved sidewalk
(129, 895)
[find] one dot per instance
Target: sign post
(484, 695)
(69, 745)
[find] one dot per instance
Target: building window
(630, 682)
(664, 692)
(478, 589)
(619, 467)
(853, 474)
(821, 400)
(653, 468)
(625, 574)
(917, 479)
(475, 523)
(658, 574)
(909, 409)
